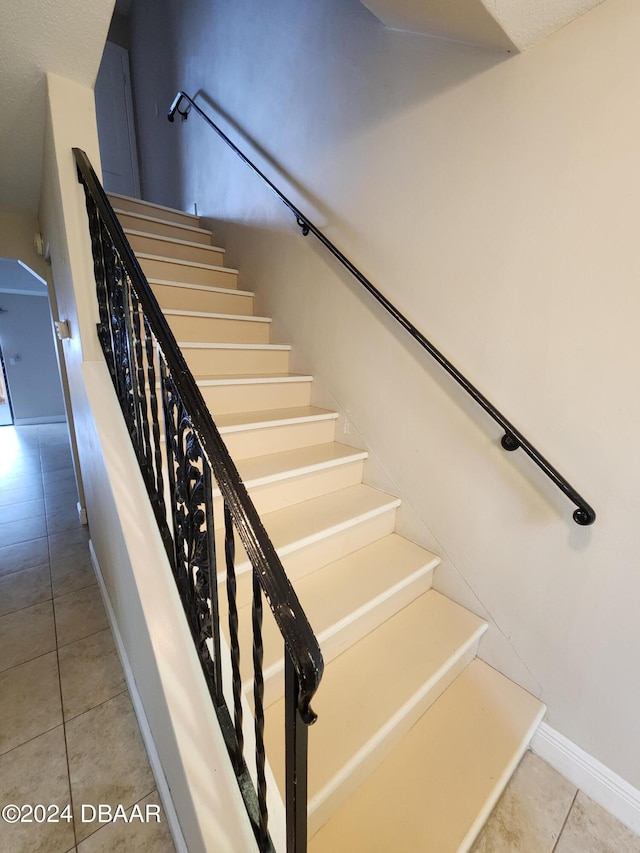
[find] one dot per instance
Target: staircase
(416, 737)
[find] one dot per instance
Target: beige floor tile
(24, 555)
(530, 814)
(18, 492)
(72, 573)
(66, 519)
(24, 509)
(90, 673)
(23, 589)
(23, 530)
(29, 701)
(19, 482)
(152, 836)
(590, 829)
(107, 759)
(26, 634)
(69, 543)
(79, 614)
(36, 772)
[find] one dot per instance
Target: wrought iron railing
(181, 455)
(512, 438)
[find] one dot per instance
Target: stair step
(225, 394)
(318, 531)
(278, 480)
(344, 602)
(210, 327)
(173, 247)
(372, 695)
(206, 360)
(148, 208)
(450, 768)
(249, 434)
(190, 272)
(201, 297)
(163, 228)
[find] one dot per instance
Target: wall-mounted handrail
(512, 438)
(146, 363)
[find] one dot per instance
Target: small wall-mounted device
(63, 329)
(38, 244)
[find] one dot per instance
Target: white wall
(496, 202)
(136, 575)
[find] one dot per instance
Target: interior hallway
(68, 732)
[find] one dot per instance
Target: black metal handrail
(138, 346)
(512, 438)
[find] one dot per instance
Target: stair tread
(304, 523)
(121, 212)
(451, 767)
(342, 590)
(303, 460)
(239, 421)
(252, 379)
(174, 240)
(373, 682)
(211, 345)
(214, 315)
(180, 262)
(153, 205)
(232, 291)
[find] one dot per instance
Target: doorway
(116, 129)
(6, 411)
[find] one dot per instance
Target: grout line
(98, 705)
(64, 727)
(564, 823)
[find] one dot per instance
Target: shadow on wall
(330, 47)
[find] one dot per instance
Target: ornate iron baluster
(213, 587)
(296, 749)
(258, 702)
(230, 556)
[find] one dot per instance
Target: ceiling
(37, 36)
(510, 25)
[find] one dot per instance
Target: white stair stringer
(416, 738)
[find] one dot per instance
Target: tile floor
(68, 732)
(541, 812)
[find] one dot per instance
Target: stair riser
(135, 206)
(221, 331)
(184, 299)
(210, 362)
(257, 442)
(163, 229)
(183, 272)
(223, 399)
(321, 808)
(335, 546)
(158, 246)
(274, 496)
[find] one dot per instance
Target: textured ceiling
(63, 36)
(502, 24)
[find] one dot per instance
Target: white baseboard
(48, 419)
(145, 729)
(598, 782)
